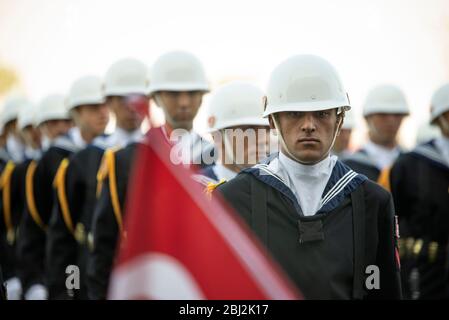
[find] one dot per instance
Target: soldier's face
(308, 135)
(32, 137)
(383, 128)
(127, 116)
(180, 107)
(93, 118)
(54, 128)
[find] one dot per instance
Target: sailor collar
(342, 182)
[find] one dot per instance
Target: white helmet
(27, 116)
(349, 121)
(177, 71)
(234, 104)
(385, 99)
(125, 77)
(440, 102)
(305, 83)
(52, 107)
(86, 90)
(11, 109)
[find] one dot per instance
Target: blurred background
(46, 44)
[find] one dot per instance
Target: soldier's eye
(323, 114)
(294, 114)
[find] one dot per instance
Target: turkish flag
(180, 244)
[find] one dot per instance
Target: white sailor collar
(342, 182)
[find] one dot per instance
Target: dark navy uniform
(12, 206)
(107, 219)
(69, 226)
(39, 205)
(5, 252)
(420, 187)
(325, 255)
(107, 223)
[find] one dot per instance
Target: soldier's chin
(308, 156)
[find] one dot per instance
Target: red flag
(182, 245)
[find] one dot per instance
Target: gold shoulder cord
(29, 191)
(5, 184)
(107, 169)
(211, 186)
(59, 185)
(384, 179)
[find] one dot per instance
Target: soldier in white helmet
(8, 121)
(13, 195)
(86, 104)
(125, 88)
(419, 183)
(53, 120)
(177, 85)
(341, 146)
(384, 109)
(324, 223)
(240, 132)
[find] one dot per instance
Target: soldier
(11, 202)
(54, 122)
(4, 158)
(86, 104)
(177, 85)
(69, 230)
(385, 108)
(420, 187)
(331, 229)
(240, 132)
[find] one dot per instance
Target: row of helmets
(300, 83)
(177, 70)
(307, 83)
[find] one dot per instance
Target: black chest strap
(259, 218)
(358, 223)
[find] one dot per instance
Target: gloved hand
(36, 292)
(13, 289)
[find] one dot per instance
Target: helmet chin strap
(277, 127)
(444, 124)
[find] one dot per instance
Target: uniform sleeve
(400, 188)
(62, 247)
(387, 255)
(31, 240)
(105, 234)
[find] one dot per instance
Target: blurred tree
(8, 79)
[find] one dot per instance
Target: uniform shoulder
(126, 154)
(238, 185)
(375, 192)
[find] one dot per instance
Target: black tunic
(330, 262)
(69, 229)
(34, 224)
(16, 184)
(106, 223)
(420, 187)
